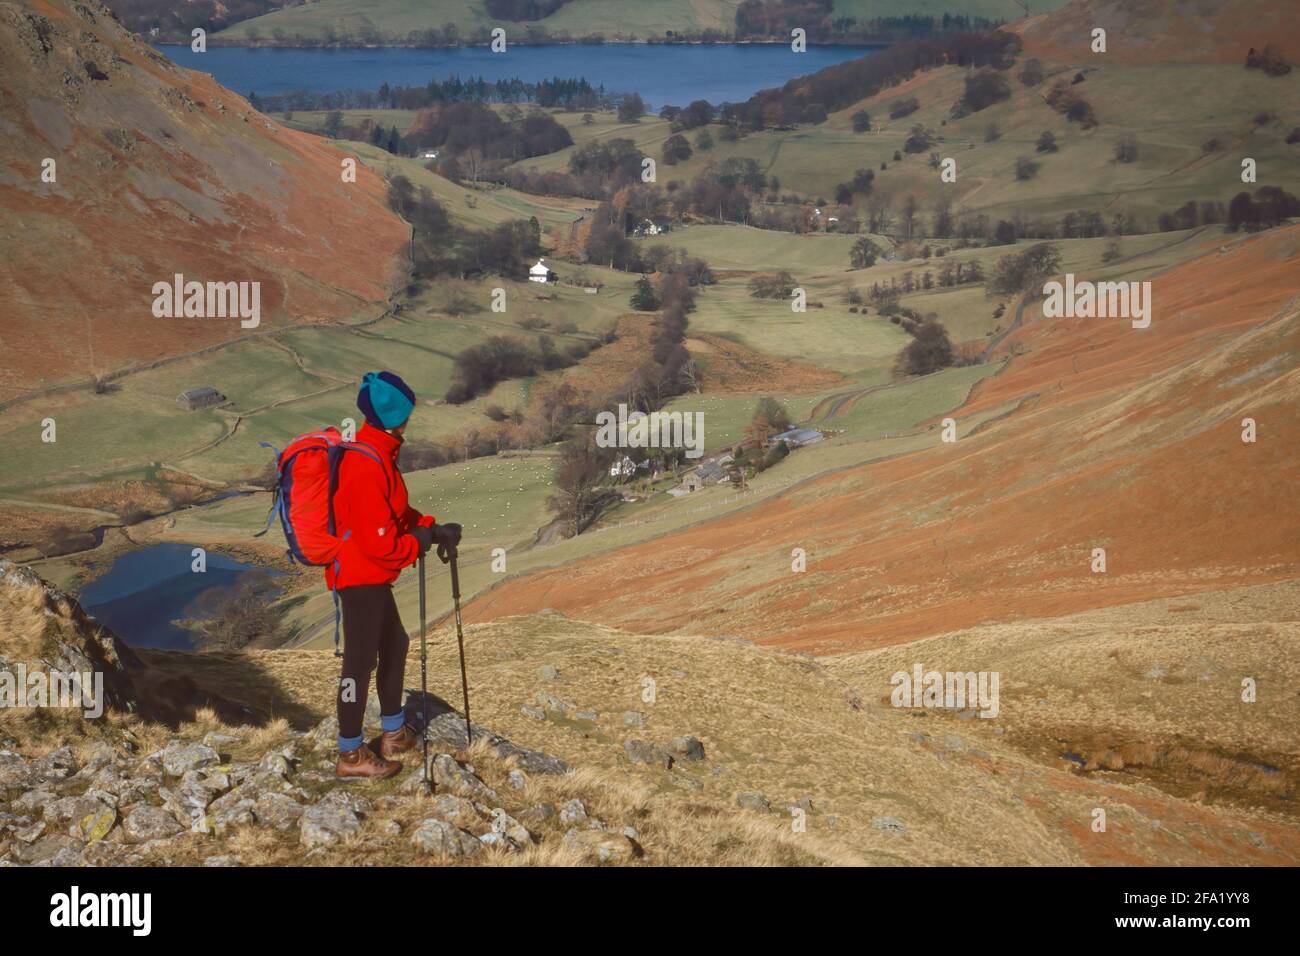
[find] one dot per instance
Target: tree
(1024, 271)
(631, 108)
(1047, 142)
(1031, 74)
(863, 254)
(992, 133)
(770, 418)
(645, 299)
(929, 351)
(578, 497)
(588, 119)
(862, 122)
(676, 149)
(333, 123)
(1126, 150)
(919, 140)
(1026, 168)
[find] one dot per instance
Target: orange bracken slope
(160, 171)
(1163, 31)
(1128, 440)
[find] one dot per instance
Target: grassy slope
(614, 19)
(885, 786)
(1171, 109)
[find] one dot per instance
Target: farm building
(541, 273)
(205, 396)
(797, 437)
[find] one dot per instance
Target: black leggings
(372, 630)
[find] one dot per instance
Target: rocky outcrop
(47, 630)
(189, 800)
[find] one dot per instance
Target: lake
(662, 73)
(145, 591)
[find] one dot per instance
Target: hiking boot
(363, 764)
(394, 742)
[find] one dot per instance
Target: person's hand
(424, 535)
(447, 538)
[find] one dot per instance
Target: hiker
(381, 534)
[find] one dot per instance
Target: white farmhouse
(540, 272)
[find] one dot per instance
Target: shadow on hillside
(175, 685)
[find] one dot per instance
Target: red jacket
(371, 509)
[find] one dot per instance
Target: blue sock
(392, 722)
(349, 744)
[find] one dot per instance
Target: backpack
(307, 477)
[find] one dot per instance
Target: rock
(806, 805)
(457, 811)
(449, 773)
(55, 765)
(631, 833)
(277, 810)
(446, 727)
(953, 742)
(33, 800)
(633, 718)
(214, 739)
(498, 841)
(144, 823)
(15, 772)
(749, 800)
(1256, 839)
(572, 813)
(220, 861)
(94, 827)
(516, 780)
(590, 716)
(642, 751)
(275, 763)
(551, 702)
(602, 847)
(891, 825)
(72, 810)
(48, 849)
(688, 748)
(442, 839)
(343, 797)
(178, 757)
(326, 823)
(389, 828)
(504, 823)
(548, 672)
(536, 713)
(30, 834)
(538, 813)
(325, 735)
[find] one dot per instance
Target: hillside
(1111, 437)
(393, 21)
(1142, 31)
(614, 748)
(1173, 84)
(159, 171)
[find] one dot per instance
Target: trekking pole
(424, 682)
(460, 641)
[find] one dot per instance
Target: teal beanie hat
(385, 399)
